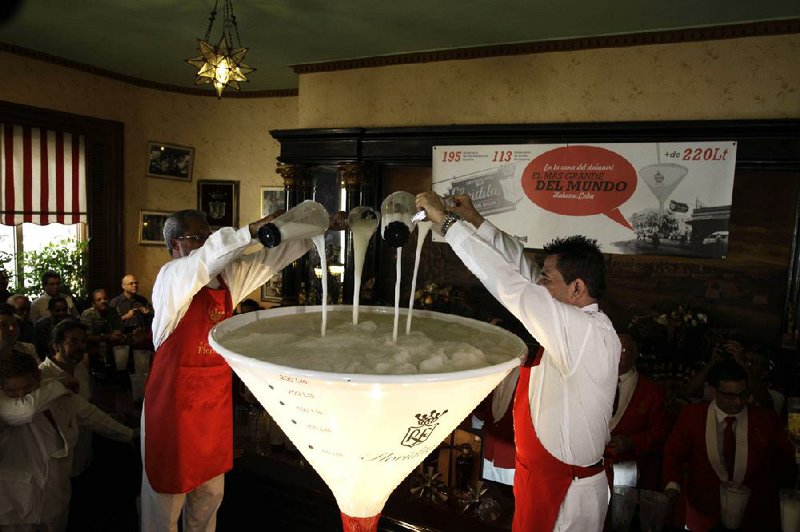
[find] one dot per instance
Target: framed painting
(272, 199)
(169, 161)
(272, 290)
(220, 201)
(151, 227)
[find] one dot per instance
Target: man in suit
(639, 425)
(723, 440)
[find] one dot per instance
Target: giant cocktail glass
(662, 179)
(363, 433)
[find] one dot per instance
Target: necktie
(616, 401)
(729, 445)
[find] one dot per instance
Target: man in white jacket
(36, 457)
(565, 394)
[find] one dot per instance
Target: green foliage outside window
(68, 257)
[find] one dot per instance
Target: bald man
(134, 310)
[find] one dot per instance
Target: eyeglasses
(197, 238)
(731, 396)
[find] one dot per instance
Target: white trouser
(160, 511)
(584, 508)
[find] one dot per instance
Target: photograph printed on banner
(668, 198)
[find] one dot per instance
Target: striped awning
(42, 176)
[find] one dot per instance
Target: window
(15, 240)
(42, 186)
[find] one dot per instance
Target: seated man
(639, 425)
(51, 285)
(724, 440)
(36, 457)
(22, 308)
(135, 311)
(103, 324)
(57, 307)
(9, 335)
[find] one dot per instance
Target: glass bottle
(306, 220)
(464, 462)
(397, 210)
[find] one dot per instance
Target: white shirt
(45, 459)
(223, 253)
(715, 444)
(82, 455)
(21, 411)
(571, 391)
(627, 385)
(25, 454)
(39, 308)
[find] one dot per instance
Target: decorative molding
(144, 83)
(711, 33)
(751, 29)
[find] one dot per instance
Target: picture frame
(151, 227)
(169, 161)
(272, 199)
(272, 290)
(220, 201)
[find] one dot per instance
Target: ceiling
(150, 39)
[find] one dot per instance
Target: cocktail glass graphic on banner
(363, 221)
(662, 179)
(363, 433)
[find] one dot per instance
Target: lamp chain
(211, 19)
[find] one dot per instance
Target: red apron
(541, 480)
(189, 414)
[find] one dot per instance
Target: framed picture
(272, 199)
(272, 290)
(169, 161)
(151, 227)
(220, 201)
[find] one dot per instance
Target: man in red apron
(565, 393)
(187, 443)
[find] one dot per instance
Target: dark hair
(252, 303)
(49, 274)
(580, 257)
(175, 224)
(633, 336)
(54, 300)
(6, 309)
(94, 292)
(726, 370)
(63, 327)
(19, 364)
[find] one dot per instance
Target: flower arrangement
(677, 334)
(672, 342)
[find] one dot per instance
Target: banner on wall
(669, 198)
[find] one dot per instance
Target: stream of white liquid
(319, 242)
(398, 271)
(422, 231)
(361, 231)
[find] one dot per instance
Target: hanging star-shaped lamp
(222, 64)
